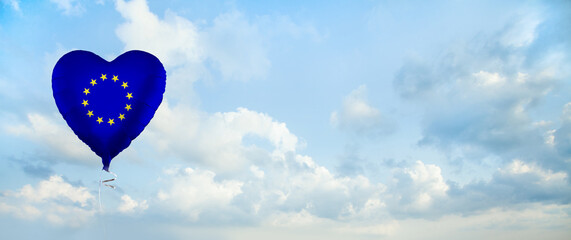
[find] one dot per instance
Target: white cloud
(217, 140)
(358, 116)
(258, 180)
(58, 138)
(418, 188)
(297, 187)
(487, 79)
(54, 200)
(536, 181)
(128, 205)
(257, 172)
(174, 40)
(55, 188)
(28, 212)
(420, 191)
(69, 7)
(314, 188)
(545, 177)
(191, 191)
(549, 137)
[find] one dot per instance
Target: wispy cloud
(481, 96)
(15, 4)
(69, 7)
(359, 117)
(54, 200)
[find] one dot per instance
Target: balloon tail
(109, 180)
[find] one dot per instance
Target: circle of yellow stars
(90, 113)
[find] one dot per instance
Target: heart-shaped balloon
(108, 104)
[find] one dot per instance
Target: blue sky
(304, 120)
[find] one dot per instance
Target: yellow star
(129, 95)
(110, 121)
(128, 107)
(99, 120)
(103, 77)
(93, 82)
(85, 103)
(86, 91)
(89, 113)
(115, 78)
(124, 85)
(121, 116)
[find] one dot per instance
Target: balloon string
(104, 182)
(99, 193)
(101, 207)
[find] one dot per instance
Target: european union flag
(108, 104)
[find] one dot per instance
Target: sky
(298, 120)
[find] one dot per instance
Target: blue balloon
(108, 104)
